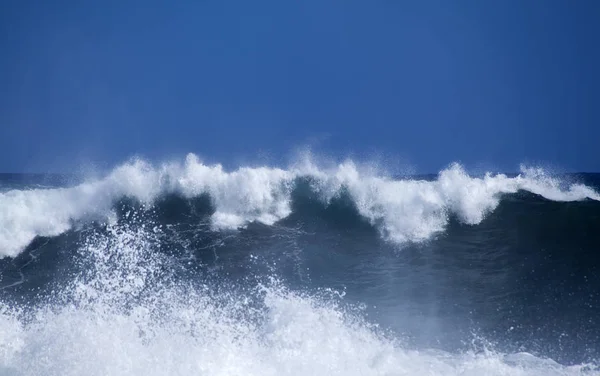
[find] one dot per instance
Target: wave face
(185, 268)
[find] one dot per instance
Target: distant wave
(405, 210)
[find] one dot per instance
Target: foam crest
(414, 210)
(245, 195)
(403, 210)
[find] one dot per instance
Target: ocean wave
(122, 315)
(403, 210)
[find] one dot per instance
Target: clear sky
(486, 83)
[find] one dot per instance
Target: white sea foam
(403, 210)
(299, 336)
(96, 328)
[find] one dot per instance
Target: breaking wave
(403, 210)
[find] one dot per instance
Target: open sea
(187, 268)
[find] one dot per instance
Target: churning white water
(124, 315)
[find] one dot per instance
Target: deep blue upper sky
(486, 83)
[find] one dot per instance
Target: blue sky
(486, 83)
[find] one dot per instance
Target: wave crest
(407, 210)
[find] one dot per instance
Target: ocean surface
(186, 268)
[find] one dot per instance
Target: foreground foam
(403, 210)
(297, 336)
(124, 314)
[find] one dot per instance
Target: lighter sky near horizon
(490, 84)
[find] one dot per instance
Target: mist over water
(185, 268)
